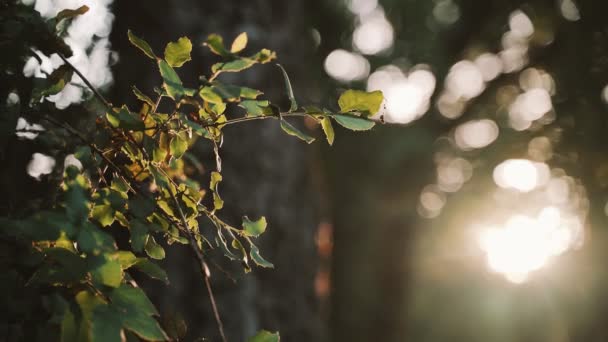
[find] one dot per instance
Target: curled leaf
(291, 130)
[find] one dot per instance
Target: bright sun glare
(524, 244)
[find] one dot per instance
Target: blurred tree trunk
(265, 171)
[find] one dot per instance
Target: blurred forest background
(478, 213)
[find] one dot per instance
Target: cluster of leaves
(132, 174)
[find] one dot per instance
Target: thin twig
(203, 265)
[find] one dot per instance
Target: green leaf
(257, 258)
(159, 154)
(254, 228)
(210, 95)
(328, 129)
(105, 325)
(132, 299)
(236, 65)
(234, 93)
(125, 119)
(154, 250)
(265, 336)
(255, 107)
(141, 44)
(142, 97)
(139, 235)
(178, 53)
(159, 176)
(264, 56)
(239, 43)
(104, 214)
(151, 269)
(291, 130)
(136, 311)
(87, 302)
(354, 123)
(172, 83)
(93, 240)
(125, 258)
(361, 101)
(105, 271)
(179, 146)
(292, 99)
(215, 43)
(141, 206)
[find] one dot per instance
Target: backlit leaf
(254, 228)
(239, 43)
(154, 250)
(178, 53)
(179, 146)
(215, 43)
(361, 101)
(328, 129)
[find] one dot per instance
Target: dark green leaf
(139, 235)
(172, 83)
(142, 97)
(354, 123)
(125, 119)
(292, 99)
(151, 269)
(291, 130)
(105, 325)
(257, 258)
(93, 240)
(137, 312)
(141, 206)
(132, 299)
(178, 53)
(141, 44)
